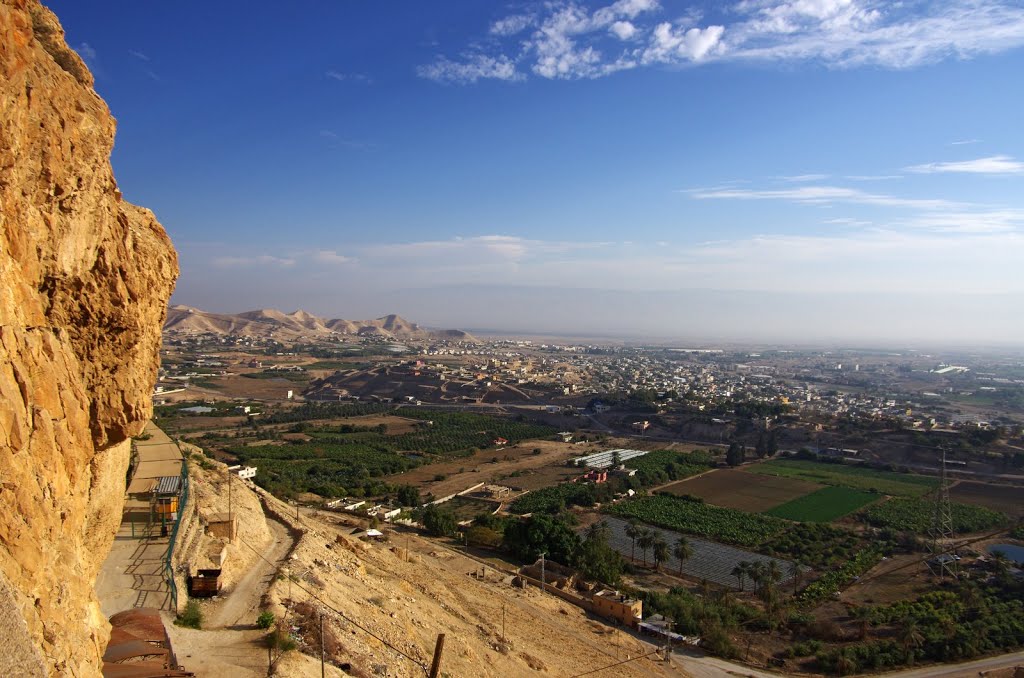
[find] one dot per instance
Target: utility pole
(407, 547)
(231, 515)
(543, 579)
(435, 666)
(322, 664)
(503, 637)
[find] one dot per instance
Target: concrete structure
(621, 608)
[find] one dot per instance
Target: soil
(1005, 498)
(739, 490)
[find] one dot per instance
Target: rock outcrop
(84, 282)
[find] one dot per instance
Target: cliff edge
(85, 282)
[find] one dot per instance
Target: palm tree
(682, 551)
(660, 552)
(756, 572)
(633, 531)
(646, 541)
(795, 573)
(598, 530)
(863, 616)
(741, 571)
(911, 638)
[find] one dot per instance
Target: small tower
(943, 560)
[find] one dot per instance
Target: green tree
(682, 551)
(645, 541)
(761, 448)
(541, 533)
(735, 455)
(660, 549)
(439, 521)
(596, 559)
(408, 495)
(633, 530)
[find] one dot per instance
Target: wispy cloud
(348, 77)
(88, 54)
(821, 195)
(801, 178)
(996, 164)
(251, 261)
(563, 39)
(138, 55)
(336, 140)
(331, 257)
(964, 142)
(472, 68)
(874, 177)
(512, 25)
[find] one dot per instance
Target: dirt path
(241, 607)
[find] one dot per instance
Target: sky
(801, 171)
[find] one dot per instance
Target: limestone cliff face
(84, 282)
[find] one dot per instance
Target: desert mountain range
(280, 325)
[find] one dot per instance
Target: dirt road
(241, 607)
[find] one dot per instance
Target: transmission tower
(940, 535)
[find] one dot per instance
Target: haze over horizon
(826, 170)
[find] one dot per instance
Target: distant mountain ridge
(267, 322)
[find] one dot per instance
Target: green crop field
(844, 475)
(704, 520)
(915, 515)
(825, 505)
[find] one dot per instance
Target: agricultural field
(1005, 498)
(555, 498)
(467, 508)
(825, 505)
(711, 561)
(335, 459)
(844, 475)
(704, 520)
(819, 545)
(915, 515)
(662, 466)
(742, 491)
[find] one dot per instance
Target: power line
(624, 661)
(340, 613)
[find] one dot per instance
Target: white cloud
(670, 44)
(343, 77)
(964, 142)
(873, 177)
(984, 221)
(87, 53)
(822, 195)
(251, 261)
(800, 178)
(138, 55)
(571, 41)
(623, 30)
(511, 25)
(476, 67)
(330, 257)
(996, 164)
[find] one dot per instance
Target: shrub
(265, 620)
(191, 617)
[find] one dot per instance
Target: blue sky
(841, 170)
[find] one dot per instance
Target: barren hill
(271, 322)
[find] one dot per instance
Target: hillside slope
(279, 325)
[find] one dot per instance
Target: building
(621, 608)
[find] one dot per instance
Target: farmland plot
(825, 505)
(844, 475)
(705, 520)
(743, 491)
(711, 561)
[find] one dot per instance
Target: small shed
(204, 584)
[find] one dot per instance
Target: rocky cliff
(84, 282)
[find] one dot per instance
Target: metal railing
(168, 561)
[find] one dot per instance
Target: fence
(168, 561)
